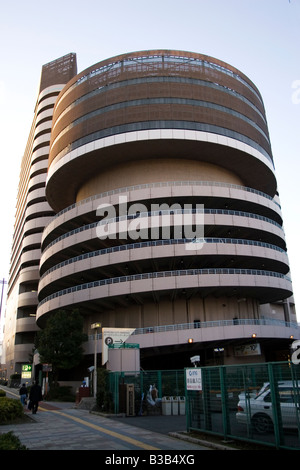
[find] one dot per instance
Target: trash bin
(174, 401)
(166, 406)
(182, 406)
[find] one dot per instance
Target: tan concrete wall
(168, 312)
(150, 171)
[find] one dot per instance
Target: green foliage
(15, 376)
(9, 441)
(60, 393)
(104, 398)
(10, 409)
(60, 342)
(2, 393)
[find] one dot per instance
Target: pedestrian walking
(23, 394)
(35, 396)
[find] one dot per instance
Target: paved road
(63, 427)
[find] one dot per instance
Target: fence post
(224, 400)
(296, 394)
(275, 400)
(114, 387)
(206, 397)
(159, 383)
(187, 404)
(142, 382)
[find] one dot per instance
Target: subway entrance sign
(193, 379)
(26, 371)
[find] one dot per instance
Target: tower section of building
(146, 148)
(33, 213)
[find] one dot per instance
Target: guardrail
(163, 184)
(209, 324)
(162, 274)
(161, 213)
(163, 242)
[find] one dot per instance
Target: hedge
(10, 409)
(9, 441)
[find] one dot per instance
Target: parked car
(258, 411)
(253, 392)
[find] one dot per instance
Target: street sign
(193, 379)
(247, 350)
(112, 336)
(26, 371)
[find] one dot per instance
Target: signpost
(95, 327)
(47, 368)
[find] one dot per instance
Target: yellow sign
(26, 371)
(26, 375)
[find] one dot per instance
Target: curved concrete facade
(152, 135)
(33, 212)
(148, 199)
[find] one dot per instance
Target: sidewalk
(60, 426)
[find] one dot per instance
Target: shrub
(9, 441)
(104, 398)
(10, 409)
(60, 393)
(15, 376)
(2, 393)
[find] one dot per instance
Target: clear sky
(259, 37)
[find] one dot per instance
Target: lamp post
(95, 327)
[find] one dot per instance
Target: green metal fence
(258, 403)
(151, 390)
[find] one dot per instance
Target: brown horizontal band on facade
(128, 73)
(162, 53)
(158, 112)
(156, 90)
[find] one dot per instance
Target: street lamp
(95, 327)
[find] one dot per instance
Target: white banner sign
(193, 379)
(247, 350)
(113, 336)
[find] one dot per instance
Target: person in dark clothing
(23, 394)
(35, 396)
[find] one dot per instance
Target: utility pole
(95, 327)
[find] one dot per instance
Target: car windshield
(264, 388)
(286, 394)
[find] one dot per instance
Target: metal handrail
(209, 324)
(163, 184)
(161, 212)
(164, 242)
(162, 274)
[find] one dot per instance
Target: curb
(202, 442)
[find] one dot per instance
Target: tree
(60, 342)
(104, 398)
